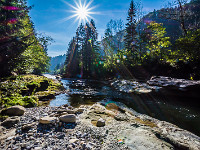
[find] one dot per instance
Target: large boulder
(70, 118)
(10, 122)
(14, 111)
(47, 120)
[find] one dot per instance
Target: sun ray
(82, 10)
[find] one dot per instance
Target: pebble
(61, 135)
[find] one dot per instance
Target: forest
(163, 42)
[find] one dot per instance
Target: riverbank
(28, 90)
(100, 126)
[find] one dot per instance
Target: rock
(120, 117)
(73, 141)
(100, 123)
(47, 120)
(28, 126)
(80, 110)
(9, 122)
(37, 148)
(172, 82)
(8, 134)
(70, 118)
(70, 111)
(14, 111)
(2, 129)
(70, 107)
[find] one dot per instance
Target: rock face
(14, 111)
(9, 122)
(172, 82)
(47, 120)
(100, 123)
(130, 86)
(70, 118)
(137, 131)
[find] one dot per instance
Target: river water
(180, 110)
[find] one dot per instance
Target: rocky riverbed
(100, 126)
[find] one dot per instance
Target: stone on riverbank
(10, 122)
(14, 111)
(100, 123)
(47, 120)
(69, 118)
(137, 132)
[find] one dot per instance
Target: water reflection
(60, 100)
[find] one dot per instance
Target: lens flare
(82, 11)
(10, 8)
(12, 21)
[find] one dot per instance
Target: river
(177, 109)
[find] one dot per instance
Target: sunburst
(82, 11)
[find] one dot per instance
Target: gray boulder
(70, 118)
(14, 111)
(47, 120)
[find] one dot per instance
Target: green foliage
(24, 90)
(158, 44)
(188, 47)
(21, 50)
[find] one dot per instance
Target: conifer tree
(130, 38)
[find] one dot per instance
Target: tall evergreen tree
(130, 37)
(82, 52)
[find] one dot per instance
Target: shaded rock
(2, 129)
(80, 110)
(47, 120)
(100, 123)
(70, 118)
(9, 122)
(14, 111)
(43, 86)
(28, 126)
(70, 111)
(119, 117)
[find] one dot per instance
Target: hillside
(57, 60)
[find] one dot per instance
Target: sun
(82, 11)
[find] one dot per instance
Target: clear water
(179, 109)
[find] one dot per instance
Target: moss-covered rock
(27, 90)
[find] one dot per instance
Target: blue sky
(47, 16)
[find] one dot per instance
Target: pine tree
(130, 38)
(82, 52)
